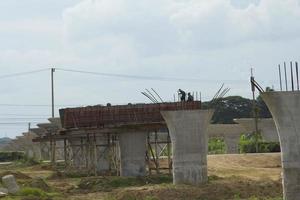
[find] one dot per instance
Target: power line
(22, 115)
(23, 73)
(119, 75)
(140, 77)
(37, 105)
(17, 123)
(127, 76)
(20, 118)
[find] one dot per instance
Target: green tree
(263, 110)
(229, 108)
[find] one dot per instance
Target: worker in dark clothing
(190, 97)
(182, 94)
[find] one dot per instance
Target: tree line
(232, 107)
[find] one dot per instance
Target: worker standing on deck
(190, 97)
(182, 94)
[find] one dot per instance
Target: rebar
(286, 83)
(292, 76)
(157, 95)
(279, 71)
(297, 75)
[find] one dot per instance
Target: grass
(28, 193)
(216, 146)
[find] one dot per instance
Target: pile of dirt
(38, 183)
(110, 183)
(17, 174)
(59, 174)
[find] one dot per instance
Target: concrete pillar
(102, 153)
(78, 156)
(285, 109)
(45, 150)
(188, 131)
(232, 144)
(133, 153)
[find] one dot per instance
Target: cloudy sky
(206, 41)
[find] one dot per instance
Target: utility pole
(52, 90)
(52, 142)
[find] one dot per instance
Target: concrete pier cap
(189, 137)
(285, 109)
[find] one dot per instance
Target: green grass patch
(33, 193)
(216, 146)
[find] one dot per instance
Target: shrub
(28, 191)
(249, 144)
(216, 146)
(8, 156)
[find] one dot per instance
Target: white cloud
(213, 40)
(171, 26)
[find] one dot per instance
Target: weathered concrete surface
(77, 155)
(10, 183)
(44, 146)
(52, 128)
(103, 160)
(230, 133)
(188, 131)
(266, 126)
(132, 150)
(285, 109)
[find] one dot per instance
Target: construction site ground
(244, 176)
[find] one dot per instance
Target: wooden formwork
(107, 116)
(159, 150)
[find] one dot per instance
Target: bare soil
(231, 177)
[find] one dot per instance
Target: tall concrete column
(45, 150)
(188, 131)
(232, 144)
(285, 109)
(133, 153)
(103, 160)
(78, 156)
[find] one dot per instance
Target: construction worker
(190, 97)
(182, 94)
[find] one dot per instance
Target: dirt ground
(251, 176)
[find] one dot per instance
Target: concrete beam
(133, 151)
(285, 109)
(49, 128)
(55, 121)
(266, 126)
(230, 133)
(188, 131)
(38, 131)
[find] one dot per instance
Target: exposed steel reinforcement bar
(107, 116)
